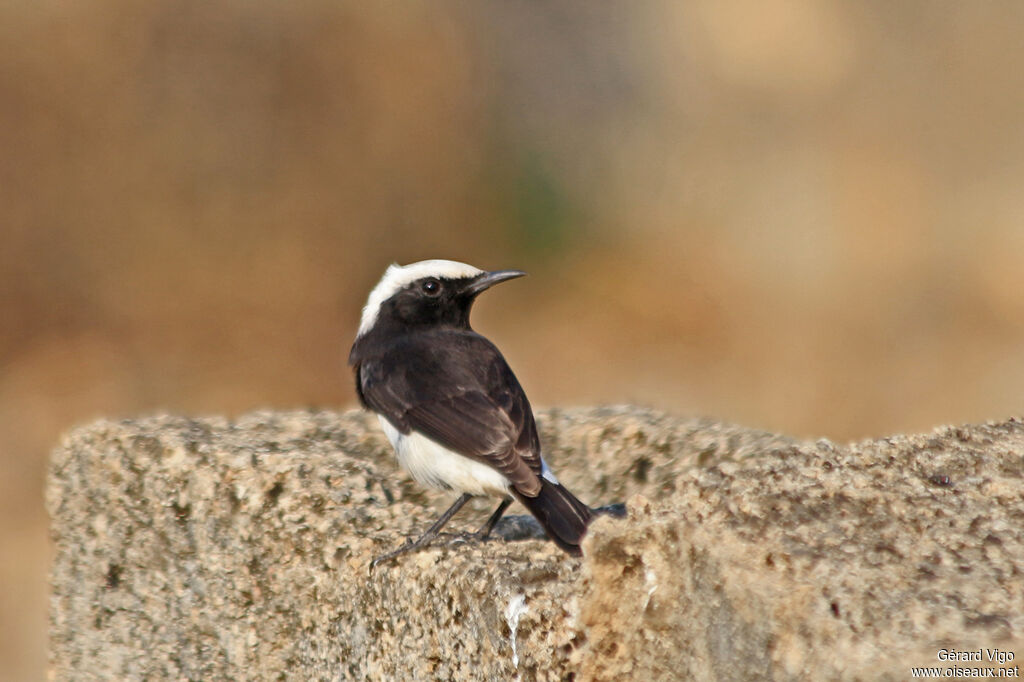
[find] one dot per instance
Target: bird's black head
(427, 294)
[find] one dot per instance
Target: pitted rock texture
(207, 549)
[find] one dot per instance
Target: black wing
(456, 388)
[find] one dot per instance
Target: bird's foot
(440, 539)
(409, 546)
(468, 538)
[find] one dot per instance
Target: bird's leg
(485, 530)
(428, 536)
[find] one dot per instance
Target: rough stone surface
(205, 549)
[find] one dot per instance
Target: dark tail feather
(563, 517)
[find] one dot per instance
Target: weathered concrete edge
(607, 533)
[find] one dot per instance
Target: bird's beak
(489, 279)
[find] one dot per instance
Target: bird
(449, 403)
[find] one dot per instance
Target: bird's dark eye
(431, 287)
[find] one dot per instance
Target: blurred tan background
(803, 215)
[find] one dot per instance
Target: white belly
(434, 465)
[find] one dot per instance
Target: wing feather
(456, 388)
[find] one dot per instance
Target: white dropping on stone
(651, 582)
(515, 609)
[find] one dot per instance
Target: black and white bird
(449, 403)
